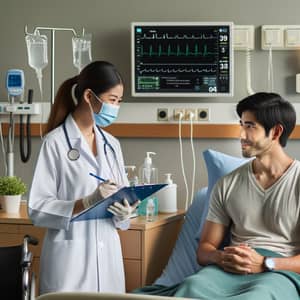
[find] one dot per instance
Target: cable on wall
(181, 161)
(191, 117)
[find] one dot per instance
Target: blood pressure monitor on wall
(15, 82)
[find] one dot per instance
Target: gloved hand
(123, 212)
(104, 190)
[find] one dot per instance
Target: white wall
(109, 22)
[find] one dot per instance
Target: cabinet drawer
(10, 239)
(131, 244)
(9, 228)
(133, 274)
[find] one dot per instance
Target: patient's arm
(256, 260)
(208, 253)
(211, 237)
(236, 259)
(288, 263)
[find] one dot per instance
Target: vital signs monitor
(182, 59)
(15, 82)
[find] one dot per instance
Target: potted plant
(11, 190)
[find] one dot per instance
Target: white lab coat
(82, 255)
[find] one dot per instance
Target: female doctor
(81, 255)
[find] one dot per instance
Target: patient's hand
(241, 259)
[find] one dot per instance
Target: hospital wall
(109, 22)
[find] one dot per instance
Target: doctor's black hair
(99, 76)
(270, 109)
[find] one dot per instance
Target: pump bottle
(132, 175)
(148, 173)
(167, 197)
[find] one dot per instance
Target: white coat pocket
(64, 266)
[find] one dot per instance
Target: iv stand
(52, 42)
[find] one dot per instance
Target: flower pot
(10, 203)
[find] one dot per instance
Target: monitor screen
(14, 80)
(182, 59)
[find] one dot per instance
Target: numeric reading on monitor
(182, 59)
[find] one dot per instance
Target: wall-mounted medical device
(15, 82)
(20, 108)
(15, 86)
(190, 59)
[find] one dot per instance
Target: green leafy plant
(12, 185)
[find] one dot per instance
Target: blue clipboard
(131, 193)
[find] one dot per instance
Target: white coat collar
(77, 140)
(72, 128)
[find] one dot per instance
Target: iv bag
(82, 55)
(37, 51)
(37, 54)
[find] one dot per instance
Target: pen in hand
(98, 177)
(102, 179)
(103, 191)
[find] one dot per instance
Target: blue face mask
(107, 114)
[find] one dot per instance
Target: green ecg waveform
(177, 51)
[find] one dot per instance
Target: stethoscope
(73, 153)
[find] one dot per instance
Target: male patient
(260, 202)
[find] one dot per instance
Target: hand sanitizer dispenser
(167, 197)
(148, 173)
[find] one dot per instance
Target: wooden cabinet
(146, 246)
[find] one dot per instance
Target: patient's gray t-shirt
(263, 218)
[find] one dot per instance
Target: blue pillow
(219, 164)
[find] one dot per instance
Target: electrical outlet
(190, 112)
(177, 112)
(203, 114)
(272, 36)
(243, 37)
(162, 114)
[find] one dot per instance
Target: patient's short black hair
(270, 109)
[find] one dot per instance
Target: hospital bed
(183, 260)
(17, 281)
(101, 296)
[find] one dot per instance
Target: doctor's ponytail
(63, 104)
